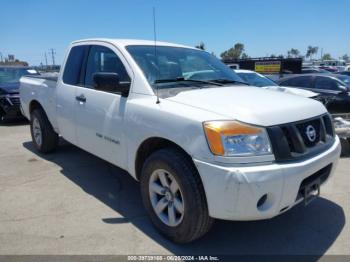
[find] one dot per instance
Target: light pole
(45, 60)
(53, 52)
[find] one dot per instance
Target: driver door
(100, 114)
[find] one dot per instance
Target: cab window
(73, 67)
(103, 59)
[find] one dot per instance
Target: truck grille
(301, 139)
(14, 100)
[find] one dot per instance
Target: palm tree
(293, 53)
(201, 45)
(311, 50)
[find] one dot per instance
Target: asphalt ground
(71, 202)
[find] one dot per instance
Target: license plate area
(310, 187)
(311, 191)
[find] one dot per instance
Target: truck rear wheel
(345, 146)
(44, 137)
(174, 197)
(2, 116)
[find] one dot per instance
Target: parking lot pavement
(71, 202)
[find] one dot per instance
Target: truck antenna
(155, 49)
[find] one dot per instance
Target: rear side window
(103, 59)
(302, 81)
(326, 83)
(73, 67)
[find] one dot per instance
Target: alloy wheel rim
(37, 132)
(166, 197)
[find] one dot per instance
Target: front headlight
(232, 138)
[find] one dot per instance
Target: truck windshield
(168, 67)
(13, 74)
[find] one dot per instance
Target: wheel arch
(35, 104)
(151, 145)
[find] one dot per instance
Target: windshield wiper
(181, 79)
(228, 81)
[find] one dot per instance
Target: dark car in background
(313, 70)
(9, 90)
(347, 73)
(258, 80)
(333, 89)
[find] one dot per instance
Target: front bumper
(233, 192)
(10, 106)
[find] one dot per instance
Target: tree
(327, 57)
(245, 56)
(201, 45)
(345, 57)
(293, 53)
(234, 52)
(311, 50)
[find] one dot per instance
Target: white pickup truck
(202, 144)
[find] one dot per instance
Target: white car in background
(256, 79)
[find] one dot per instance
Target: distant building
(12, 61)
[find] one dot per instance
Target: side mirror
(109, 82)
(343, 89)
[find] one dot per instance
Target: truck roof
(126, 42)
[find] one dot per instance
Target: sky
(29, 28)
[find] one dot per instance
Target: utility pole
(53, 52)
(321, 54)
(46, 60)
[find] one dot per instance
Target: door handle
(81, 98)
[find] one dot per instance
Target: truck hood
(290, 90)
(251, 104)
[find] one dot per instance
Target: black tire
(345, 146)
(196, 220)
(49, 137)
(2, 117)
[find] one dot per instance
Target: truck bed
(43, 88)
(46, 76)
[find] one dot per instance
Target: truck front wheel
(174, 197)
(2, 116)
(345, 146)
(44, 137)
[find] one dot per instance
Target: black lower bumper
(310, 186)
(10, 107)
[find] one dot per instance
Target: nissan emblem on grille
(311, 133)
